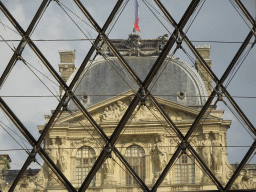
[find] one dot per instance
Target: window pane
(185, 170)
(85, 158)
(135, 157)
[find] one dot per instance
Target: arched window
(185, 169)
(85, 159)
(135, 156)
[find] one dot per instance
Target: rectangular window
(185, 170)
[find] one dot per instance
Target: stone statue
(216, 154)
(63, 154)
(54, 154)
(108, 114)
(244, 180)
(195, 143)
(159, 159)
(114, 112)
(173, 145)
(109, 167)
(206, 150)
(108, 172)
(122, 106)
(54, 151)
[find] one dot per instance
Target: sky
(216, 21)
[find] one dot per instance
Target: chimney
(67, 64)
(204, 51)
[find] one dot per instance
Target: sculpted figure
(194, 142)
(54, 151)
(216, 153)
(108, 114)
(109, 167)
(173, 144)
(206, 150)
(122, 106)
(54, 154)
(63, 154)
(159, 158)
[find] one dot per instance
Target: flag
(136, 24)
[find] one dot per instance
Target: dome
(179, 82)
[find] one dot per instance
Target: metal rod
(17, 123)
(237, 56)
(36, 17)
(240, 112)
(11, 19)
(246, 12)
(166, 13)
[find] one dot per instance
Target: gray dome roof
(100, 81)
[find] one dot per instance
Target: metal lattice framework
(110, 142)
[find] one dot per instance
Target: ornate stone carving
(109, 172)
(216, 154)
(114, 112)
(109, 166)
(24, 184)
(194, 142)
(39, 180)
(135, 46)
(159, 157)
(63, 155)
(53, 150)
(54, 153)
(244, 181)
(206, 147)
(173, 144)
(85, 140)
(206, 150)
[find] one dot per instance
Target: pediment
(113, 109)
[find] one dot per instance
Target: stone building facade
(147, 142)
